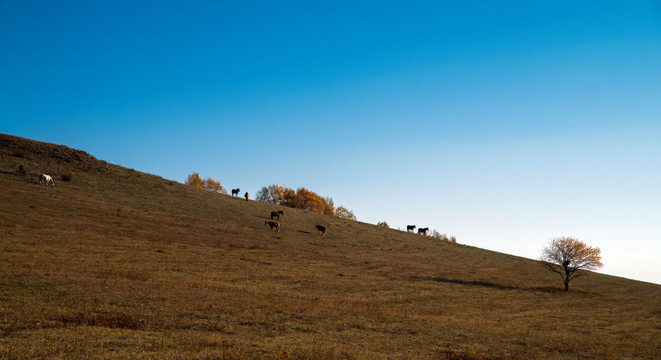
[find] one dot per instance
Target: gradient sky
(503, 123)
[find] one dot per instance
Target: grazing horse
(246, 195)
(46, 179)
(22, 170)
(272, 224)
(423, 231)
(275, 214)
(410, 228)
(321, 230)
(235, 192)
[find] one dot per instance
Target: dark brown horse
(321, 230)
(235, 192)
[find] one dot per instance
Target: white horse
(47, 179)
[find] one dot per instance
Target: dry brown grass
(122, 264)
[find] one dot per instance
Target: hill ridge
(127, 264)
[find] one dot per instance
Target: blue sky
(503, 123)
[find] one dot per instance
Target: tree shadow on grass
(486, 284)
(475, 283)
(304, 232)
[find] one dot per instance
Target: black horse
(410, 228)
(423, 231)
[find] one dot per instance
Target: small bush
(210, 184)
(444, 237)
(68, 176)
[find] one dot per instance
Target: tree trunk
(565, 264)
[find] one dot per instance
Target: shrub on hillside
(300, 198)
(194, 180)
(68, 176)
(344, 213)
(383, 224)
(210, 184)
(272, 194)
(305, 199)
(213, 185)
(437, 235)
(329, 206)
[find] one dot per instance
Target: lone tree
(569, 258)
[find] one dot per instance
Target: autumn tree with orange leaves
(210, 184)
(305, 199)
(570, 258)
(300, 198)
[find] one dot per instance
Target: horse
(272, 224)
(410, 228)
(321, 229)
(46, 179)
(423, 231)
(22, 170)
(275, 214)
(235, 192)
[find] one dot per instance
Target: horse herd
(411, 228)
(276, 224)
(277, 214)
(48, 180)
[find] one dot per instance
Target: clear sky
(503, 123)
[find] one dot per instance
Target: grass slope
(121, 264)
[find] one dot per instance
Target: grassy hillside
(121, 264)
